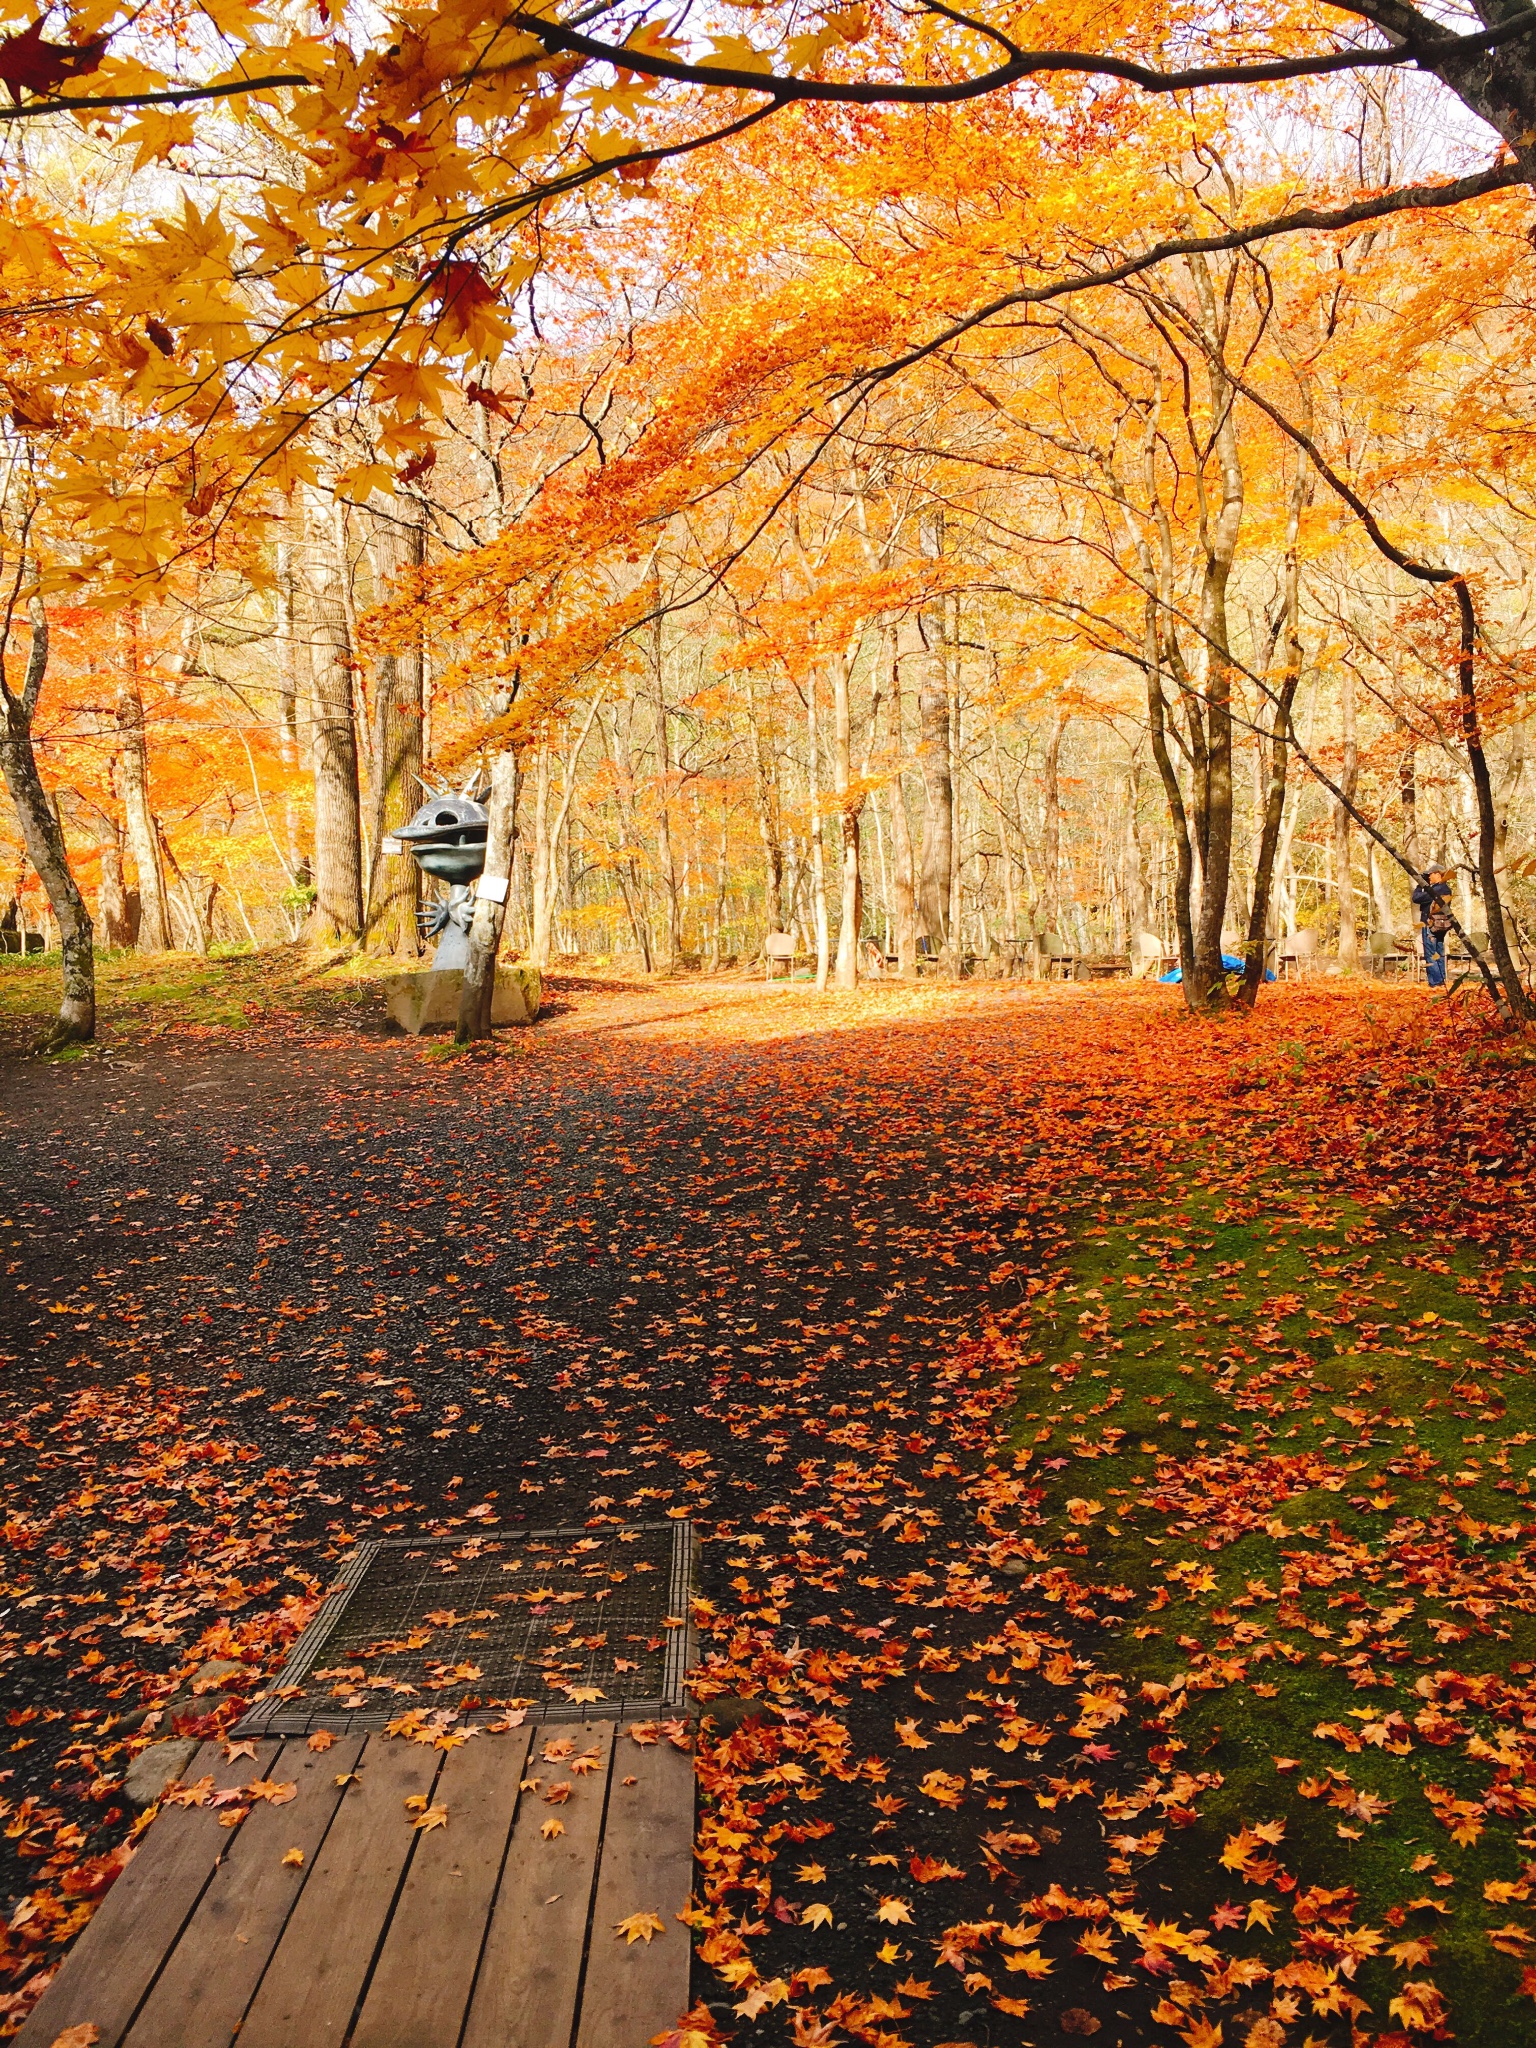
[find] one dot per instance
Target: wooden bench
(331, 1920)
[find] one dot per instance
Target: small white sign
(390, 846)
(492, 888)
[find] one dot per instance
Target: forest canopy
(939, 485)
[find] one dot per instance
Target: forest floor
(1110, 1440)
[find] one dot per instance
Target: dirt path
(655, 1255)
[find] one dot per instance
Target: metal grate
(541, 1620)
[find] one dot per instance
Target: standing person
(1432, 900)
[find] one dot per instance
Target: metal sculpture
(446, 839)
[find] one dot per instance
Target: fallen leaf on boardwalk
(293, 1859)
(321, 1740)
(434, 1817)
(552, 1827)
(84, 2035)
(641, 1926)
(269, 1790)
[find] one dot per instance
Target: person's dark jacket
(1432, 900)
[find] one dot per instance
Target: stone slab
(429, 1000)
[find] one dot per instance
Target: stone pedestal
(429, 1000)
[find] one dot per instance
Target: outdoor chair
(776, 947)
(1060, 958)
(1298, 953)
(1147, 955)
(1387, 954)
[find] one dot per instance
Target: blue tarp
(1233, 962)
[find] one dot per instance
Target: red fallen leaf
(929, 1869)
(29, 64)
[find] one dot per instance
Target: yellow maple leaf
(434, 1817)
(641, 1926)
(551, 1828)
(895, 1911)
(819, 1915)
(293, 1859)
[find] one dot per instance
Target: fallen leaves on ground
(1073, 1405)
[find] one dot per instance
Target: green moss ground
(1279, 1326)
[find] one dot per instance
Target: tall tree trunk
(1220, 529)
(397, 548)
(954, 925)
(1280, 745)
(1173, 793)
(671, 937)
(44, 840)
(338, 915)
(1408, 792)
(1343, 834)
(292, 703)
(765, 791)
(133, 768)
(543, 862)
(818, 849)
(937, 857)
(851, 911)
(1005, 845)
(479, 984)
(117, 911)
(1050, 836)
(1381, 895)
(903, 881)
(617, 734)
(1515, 995)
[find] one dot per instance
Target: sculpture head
(447, 837)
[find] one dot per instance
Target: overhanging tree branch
(1428, 49)
(1305, 219)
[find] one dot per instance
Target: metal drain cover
(567, 1624)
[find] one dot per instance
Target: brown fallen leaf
(321, 1740)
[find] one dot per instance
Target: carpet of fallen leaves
(1108, 1438)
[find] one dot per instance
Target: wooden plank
(319, 1968)
(530, 1971)
(422, 1980)
(201, 1995)
(136, 1926)
(634, 1990)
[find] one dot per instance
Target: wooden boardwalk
(493, 1929)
